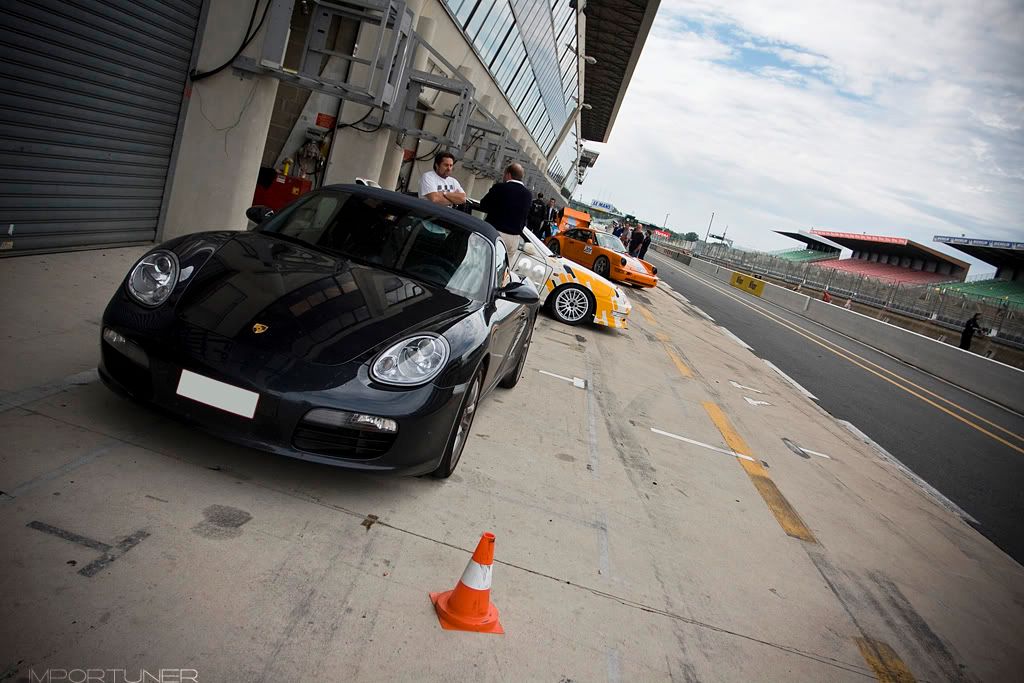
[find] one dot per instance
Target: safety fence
(924, 302)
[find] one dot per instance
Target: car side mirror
(258, 214)
(519, 293)
(590, 240)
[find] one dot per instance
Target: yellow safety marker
(787, 517)
(748, 284)
(645, 313)
(678, 362)
(868, 366)
(884, 661)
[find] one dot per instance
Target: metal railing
(947, 309)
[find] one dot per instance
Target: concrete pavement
(633, 543)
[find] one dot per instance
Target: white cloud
(903, 120)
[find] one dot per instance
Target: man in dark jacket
(970, 327)
(538, 209)
(635, 240)
(644, 246)
(508, 206)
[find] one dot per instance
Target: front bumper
(632, 277)
(425, 415)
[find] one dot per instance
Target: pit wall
(989, 378)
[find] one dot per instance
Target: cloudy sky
(887, 117)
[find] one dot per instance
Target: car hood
(285, 298)
(634, 264)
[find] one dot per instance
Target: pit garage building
(128, 121)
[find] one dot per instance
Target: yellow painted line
(683, 369)
(884, 661)
(851, 356)
(787, 517)
(645, 313)
(662, 337)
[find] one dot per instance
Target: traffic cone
(468, 607)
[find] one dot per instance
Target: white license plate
(218, 394)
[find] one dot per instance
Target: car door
(508, 320)
(573, 245)
(588, 248)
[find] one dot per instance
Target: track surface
(981, 474)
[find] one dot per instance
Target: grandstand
(892, 259)
(817, 249)
(1008, 259)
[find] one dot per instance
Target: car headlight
(153, 278)
(415, 360)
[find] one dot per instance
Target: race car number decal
(588, 250)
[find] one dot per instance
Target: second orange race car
(604, 254)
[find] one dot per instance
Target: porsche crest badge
(259, 328)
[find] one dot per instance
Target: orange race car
(604, 254)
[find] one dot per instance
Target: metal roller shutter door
(90, 92)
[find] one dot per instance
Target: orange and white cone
(468, 607)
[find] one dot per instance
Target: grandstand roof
(901, 246)
(809, 239)
(998, 253)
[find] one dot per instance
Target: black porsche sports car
(358, 327)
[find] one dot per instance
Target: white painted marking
(925, 487)
(791, 381)
(220, 395)
(808, 450)
(614, 668)
(702, 313)
(755, 402)
(746, 388)
(604, 564)
(702, 445)
(736, 339)
(575, 381)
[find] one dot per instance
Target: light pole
(665, 223)
(709, 227)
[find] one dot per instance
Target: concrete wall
(986, 377)
(224, 131)
(373, 155)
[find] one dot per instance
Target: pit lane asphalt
(982, 476)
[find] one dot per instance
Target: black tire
(601, 266)
(554, 247)
(512, 378)
(571, 304)
(461, 429)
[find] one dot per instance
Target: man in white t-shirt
(439, 186)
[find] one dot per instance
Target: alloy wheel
(572, 304)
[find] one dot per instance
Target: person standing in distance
(508, 206)
(645, 245)
(551, 219)
(537, 211)
(970, 327)
(439, 185)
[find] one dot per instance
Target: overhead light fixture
(588, 59)
(585, 106)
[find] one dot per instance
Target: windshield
(404, 240)
(610, 242)
(535, 241)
